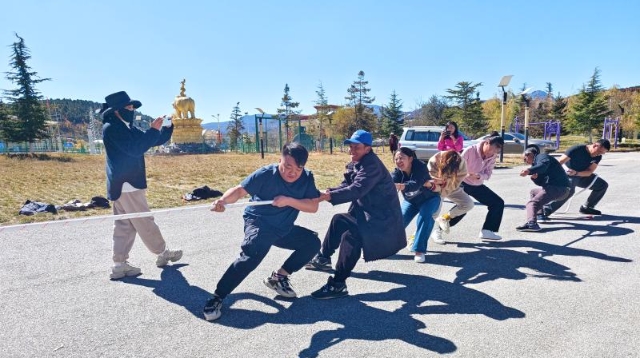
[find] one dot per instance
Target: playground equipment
(611, 129)
(551, 128)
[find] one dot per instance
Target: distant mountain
(538, 94)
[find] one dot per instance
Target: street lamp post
(219, 135)
(526, 100)
(261, 133)
(503, 83)
(330, 115)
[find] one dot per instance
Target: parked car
(514, 143)
(424, 140)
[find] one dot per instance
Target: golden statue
(183, 105)
(187, 127)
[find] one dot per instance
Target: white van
(423, 140)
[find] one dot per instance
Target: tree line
(24, 112)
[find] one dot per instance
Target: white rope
(104, 218)
(595, 177)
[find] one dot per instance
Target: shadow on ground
(419, 295)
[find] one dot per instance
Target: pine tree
(322, 106)
(24, 101)
(288, 113)
(432, 112)
(392, 117)
(468, 112)
(359, 99)
(235, 127)
(591, 107)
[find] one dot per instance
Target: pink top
(476, 165)
(449, 144)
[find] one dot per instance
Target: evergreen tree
(287, 113)
(591, 107)
(468, 111)
(24, 101)
(359, 99)
(322, 106)
(432, 112)
(558, 111)
(235, 127)
(392, 117)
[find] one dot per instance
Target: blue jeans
(424, 222)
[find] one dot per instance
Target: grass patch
(61, 178)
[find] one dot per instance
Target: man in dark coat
(127, 181)
(372, 226)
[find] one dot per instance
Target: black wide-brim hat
(117, 101)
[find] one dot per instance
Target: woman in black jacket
(413, 180)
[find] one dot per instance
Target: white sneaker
(419, 258)
(443, 224)
(168, 255)
(122, 269)
(436, 236)
(488, 235)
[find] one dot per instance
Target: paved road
(570, 291)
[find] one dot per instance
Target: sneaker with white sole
(212, 310)
(436, 236)
(332, 289)
(419, 257)
(280, 284)
(488, 235)
(443, 224)
(530, 226)
(122, 269)
(168, 255)
(319, 263)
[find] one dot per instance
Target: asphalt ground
(571, 290)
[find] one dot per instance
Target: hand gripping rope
(103, 218)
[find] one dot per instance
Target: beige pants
(124, 231)
(463, 202)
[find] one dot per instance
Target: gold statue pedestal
(186, 130)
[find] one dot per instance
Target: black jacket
(375, 206)
(414, 190)
(549, 170)
(125, 149)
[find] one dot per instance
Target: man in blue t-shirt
(292, 189)
(582, 160)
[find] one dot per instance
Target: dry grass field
(60, 178)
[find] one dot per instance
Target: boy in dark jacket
(127, 181)
(548, 173)
(373, 225)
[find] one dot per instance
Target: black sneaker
(589, 211)
(212, 308)
(280, 284)
(542, 218)
(319, 263)
(332, 289)
(530, 226)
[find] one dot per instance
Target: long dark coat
(375, 206)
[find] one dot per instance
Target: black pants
(343, 232)
(485, 196)
(598, 190)
(257, 242)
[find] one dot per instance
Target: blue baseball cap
(360, 137)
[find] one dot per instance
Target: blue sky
(246, 51)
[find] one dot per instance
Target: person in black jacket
(413, 180)
(548, 173)
(372, 227)
(127, 180)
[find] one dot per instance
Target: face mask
(126, 114)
